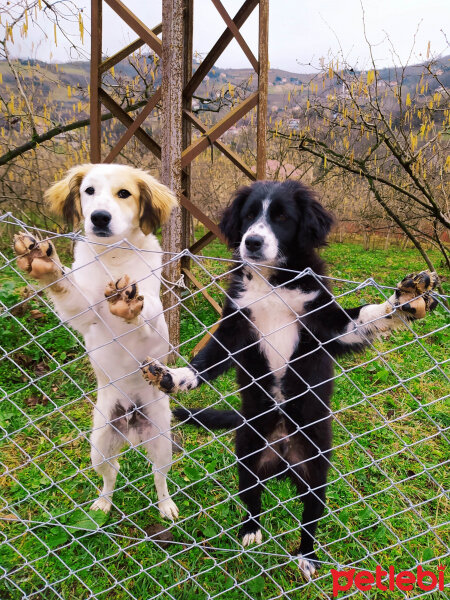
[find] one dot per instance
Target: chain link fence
(387, 500)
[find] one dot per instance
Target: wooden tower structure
(171, 40)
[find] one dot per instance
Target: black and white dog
(282, 332)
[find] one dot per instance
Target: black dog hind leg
(313, 497)
(249, 447)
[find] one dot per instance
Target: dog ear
(321, 224)
(156, 202)
(63, 197)
(230, 224)
(316, 220)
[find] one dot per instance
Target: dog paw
(254, 537)
(36, 257)
(158, 374)
(123, 298)
(413, 294)
(307, 566)
(168, 509)
(103, 503)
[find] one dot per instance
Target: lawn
(386, 501)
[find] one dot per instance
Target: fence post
(174, 16)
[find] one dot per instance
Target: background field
(385, 500)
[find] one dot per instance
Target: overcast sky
(300, 31)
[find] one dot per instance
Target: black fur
(209, 417)
(293, 437)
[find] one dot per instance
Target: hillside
(53, 80)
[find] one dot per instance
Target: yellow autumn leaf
(408, 99)
(81, 27)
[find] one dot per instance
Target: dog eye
(250, 217)
(89, 191)
(124, 194)
(280, 217)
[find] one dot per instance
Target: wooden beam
(125, 118)
(137, 25)
(200, 216)
(95, 129)
(205, 339)
(222, 147)
(208, 62)
(171, 141)
(236, 33)
(186, 129)
(261, 119)
(202, 290)
(218, 129)
(202, 242)
(116, 58)
(136, 124)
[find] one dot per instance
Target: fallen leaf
(37, 314)
(33, 401)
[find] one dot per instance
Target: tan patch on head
(156, 202)
(63, 197)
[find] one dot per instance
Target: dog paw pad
(36, 257)
(413, 293)
(157, 374)
(124, 300)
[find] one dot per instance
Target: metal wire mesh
(386, 496)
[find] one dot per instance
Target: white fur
(184, 378)
(269, 250)
(124, 218)
(306, 566)
(372, 321)
(274, 313)
(116, 347)
(252, 538)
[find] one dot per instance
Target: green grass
(384, 485)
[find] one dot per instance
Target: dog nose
(254, 242)
(101, 218)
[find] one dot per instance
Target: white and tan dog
(114, 203)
